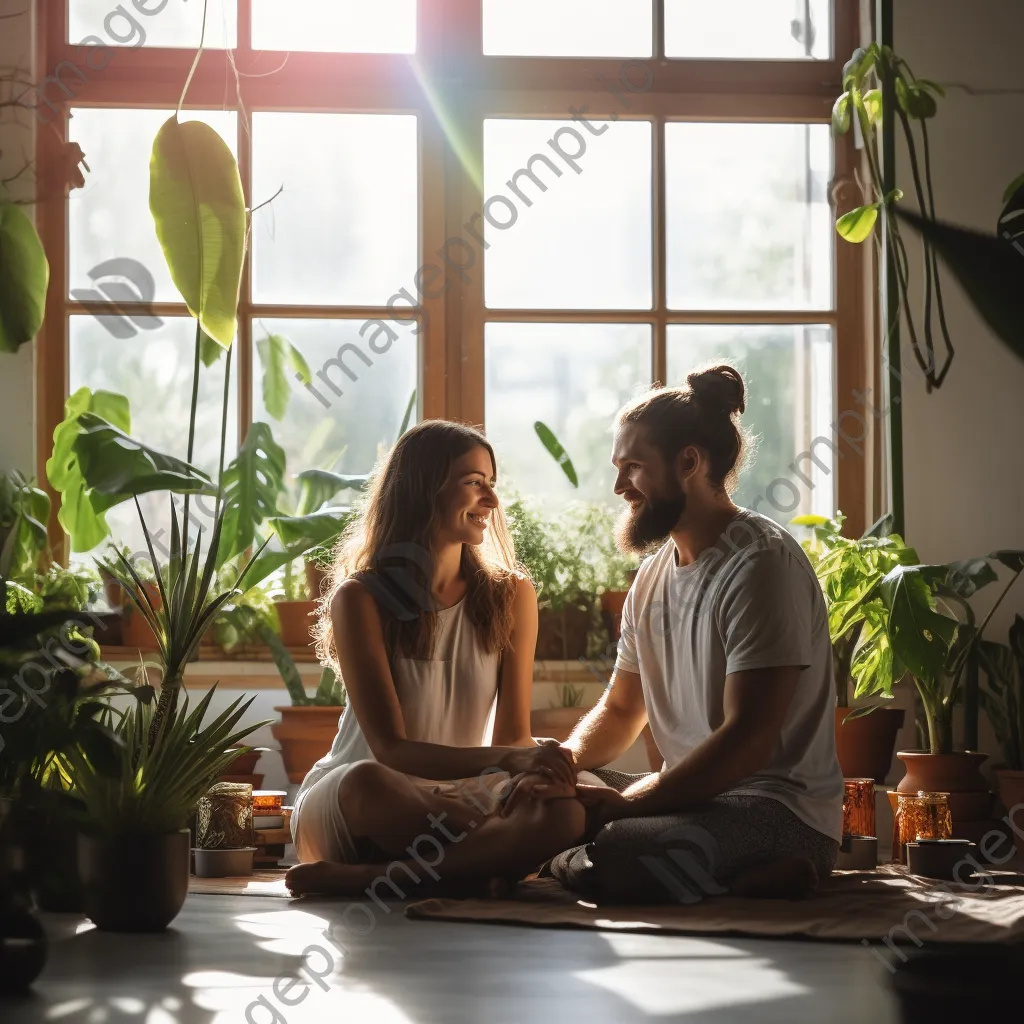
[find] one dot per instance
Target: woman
(433, 628)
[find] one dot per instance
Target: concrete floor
(230, 958)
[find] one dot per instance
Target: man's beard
(642, 526)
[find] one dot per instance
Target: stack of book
(270, 819)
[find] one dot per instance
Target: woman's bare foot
(324, 876)
(788, 878)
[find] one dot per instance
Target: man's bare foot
(324, 876)
(788, 878)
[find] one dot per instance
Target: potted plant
(139, 797)
(851, 573)
(932, 631)
(1002, 697)
(552, 553)
(559, 720)
(308, 725)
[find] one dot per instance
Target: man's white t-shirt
(751, 601)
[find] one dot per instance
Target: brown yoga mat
(851, 905)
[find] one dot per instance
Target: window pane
(153, 23)
(568, 28)
(751, 29)
(156, 361)
(572, 239)
(788, 371)
(345, 228)
(358, 398)
(748, 219)
(574, 378)
(346, 26)
(109, 219)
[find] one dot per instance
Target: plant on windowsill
(558, 721)
(1002, 698)
(308, 726)
(850, 573)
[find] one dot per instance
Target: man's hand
(548, 758)
(536, 786)
(603, 804)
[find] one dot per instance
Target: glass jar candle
(858, 807)
(224, 817)
(922, 816)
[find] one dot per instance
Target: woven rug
(265, 882)
(850, 906)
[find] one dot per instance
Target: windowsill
(260, 673)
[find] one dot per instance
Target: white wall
(17, 141)
(964, 471)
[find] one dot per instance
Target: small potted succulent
(559, 720)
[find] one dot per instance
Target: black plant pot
(134, 883)
(23, 947)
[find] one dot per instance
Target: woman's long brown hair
(388, 548)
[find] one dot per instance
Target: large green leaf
(253, 483)
(196, 199)
(116, 467)
(281, 361)
(319, 486)
(920, 636)
(966, 578)
(299, 534)
(556, 451)
(24, 277)
(989, 269)
(857, 225)
(84, 525)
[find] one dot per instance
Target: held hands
(603, 804)
(549, 759)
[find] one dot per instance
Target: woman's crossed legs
(399, 818)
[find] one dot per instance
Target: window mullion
(659, 357)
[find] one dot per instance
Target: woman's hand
(537, 786)
(548, 758)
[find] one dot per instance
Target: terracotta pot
(654, 757)
(112, 590)
(315, 579)
(305, 735)
(256, 781)
(1011, 787)
(864, 745)
(135, 631)
(612, 602)
(958, 774)
(562, 635)
(555, 723)
(245, 764)
(134, 883)
(296, 622)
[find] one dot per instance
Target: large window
(515, 211)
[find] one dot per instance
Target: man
(725, 651)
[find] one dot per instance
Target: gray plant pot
(224, 863)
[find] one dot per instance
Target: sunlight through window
(340, 26)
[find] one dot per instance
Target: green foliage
(570, 696)
(86, 527)
(24, 511)
(252, 485)
(198, 209)
(572, 557)
(330, 691)
(24, 277)
(281, 361)
(1003, 695)
(554, 448)
(132, 787)
(242, 620)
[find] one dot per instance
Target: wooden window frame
(452, 87)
